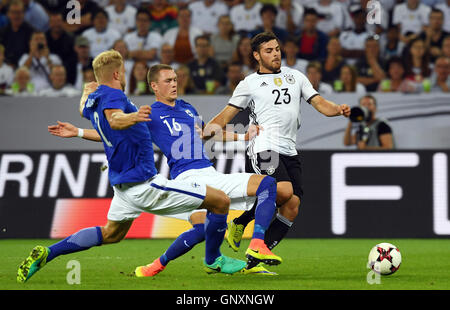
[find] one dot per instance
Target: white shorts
(234, 185)
(158, 196)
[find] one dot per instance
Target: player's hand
(63, 130)
(253, 131)
(198, 130)
(89, 88)
(143, 114)
(345, 110)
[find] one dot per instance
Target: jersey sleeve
(384, 128)
(308, 91)
(241, 96)
(115, 101)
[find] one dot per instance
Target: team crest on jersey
(278, 81)
(195, 184)
(270, 170)
(189, 113)
(289, 78)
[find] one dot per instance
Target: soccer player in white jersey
(273, 94)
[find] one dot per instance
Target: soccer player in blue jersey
(173, 131)
(132, 174)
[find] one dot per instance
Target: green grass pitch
(319, 264)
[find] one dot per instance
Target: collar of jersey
(259, 73)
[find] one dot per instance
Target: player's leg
(82, 240)
(265, 189)
(284, 193)
(162, 196)
(182, 244)
(289, 210)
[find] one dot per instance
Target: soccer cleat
(150, 270)
(234, 237)
(258, 270)
(259, 251)
(34, 262)
(225, 264)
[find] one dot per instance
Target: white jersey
(274, 103)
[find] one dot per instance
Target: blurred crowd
(46, 48)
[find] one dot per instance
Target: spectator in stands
(185, 85)
(268, 16)
(22, 86)
(246, 16)
(434, 35)
(164, 16)
(411, 17)
(122, 16)
(84, 60)
(370, 68)
(446, 46)
(371, 134)
(290, 15)
(61, 43)
(16, 36)
(182, 38)
(244, 55)
(39, 61)
(234, 76)
(331, 16)
(444, 6)
(353, 41)
(143, 44)
(6, 72)
(417, 61)
(88, 75)
(312, 41)
(121, 46)
(206, 13)
(36, 15)
(290, 49)
(440, 79)
(225, 42)
(392, 45)
(138, 79)
(348, 81)
(167, 56)
(88, 9)
(101, 37)
(314, 74)
(396, 81)
(205, 71)
(334, 61)
(59, 86)
(54, 5)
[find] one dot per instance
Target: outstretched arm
(118, 120)
(329, 108)
(216, 125)
(67, 130)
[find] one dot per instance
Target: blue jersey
(174, 133)
(129, 151)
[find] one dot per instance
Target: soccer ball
(384, 258)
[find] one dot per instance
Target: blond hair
(105, 64)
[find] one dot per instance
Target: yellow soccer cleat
(258, 270)
(33, 263)
(150, 270)
(234, 237)
(259, 251)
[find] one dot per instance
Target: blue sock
(267, 194)
(79, 241)
(184, 243)
(215, 227)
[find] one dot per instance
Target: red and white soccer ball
(385, 258)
